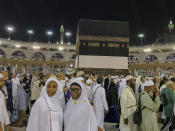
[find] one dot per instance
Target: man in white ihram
(99, 103)
(128, 107)
(15, 83)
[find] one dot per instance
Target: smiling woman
(51, 88)
(47, 114)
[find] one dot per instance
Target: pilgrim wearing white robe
(4, 118)
(46, 114)
(35, 90)
(15, 84)
(62, 96)
(79, 114)
(4, 88)
(122, 85)
(100, 104)
(128, 107)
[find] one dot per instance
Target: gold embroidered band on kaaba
(103, 38)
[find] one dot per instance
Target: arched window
(18, 55)
(151, 58)
(170, 58)
(38, 56)
(57, 57)
(2, 54)
(133, 59)
(74, 56)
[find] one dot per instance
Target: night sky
(147, 16)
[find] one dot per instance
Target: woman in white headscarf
(79, 114)
(60, 94)
(46, 114)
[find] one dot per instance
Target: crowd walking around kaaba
(84, 102)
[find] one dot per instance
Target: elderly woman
(79, 115)
(46, 114)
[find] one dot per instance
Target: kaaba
(102, 44)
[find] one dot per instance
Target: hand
(157, 92)
(99, 129)
(0, 126)
(126, 121)
(64, 89)
(105, 111)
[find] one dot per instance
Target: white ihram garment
(128, 107)
(100, 104)
(15, 84)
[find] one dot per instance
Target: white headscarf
(58, 98)
(53, 102)
(83, 96)
(46, 114)
(75, 109)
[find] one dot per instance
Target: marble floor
(108, 127)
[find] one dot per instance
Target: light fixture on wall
(18, 46)
(36, 47)
(147, 50)
(60, 48)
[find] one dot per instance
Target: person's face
(14, 75)
(75, 92)
(128, 83)
(133, 81)
(48, 76)
(112, 80)
(149, 88)
(63, 77)
(51, 88)
(142, 80)
(90, 84)
(2, 82)
(84, 76)
(93, 79)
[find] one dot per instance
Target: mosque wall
(30, 53)
(160, 55)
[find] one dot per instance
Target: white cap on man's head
(112, 77)
(162, 76)
(170, 77)
(89, 81)
(149, 83)
(116, 77)
(129, 77)
(80, 73)
(151, 78)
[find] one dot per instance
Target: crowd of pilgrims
(82, 102)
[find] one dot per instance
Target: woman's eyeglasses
(74, 89)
